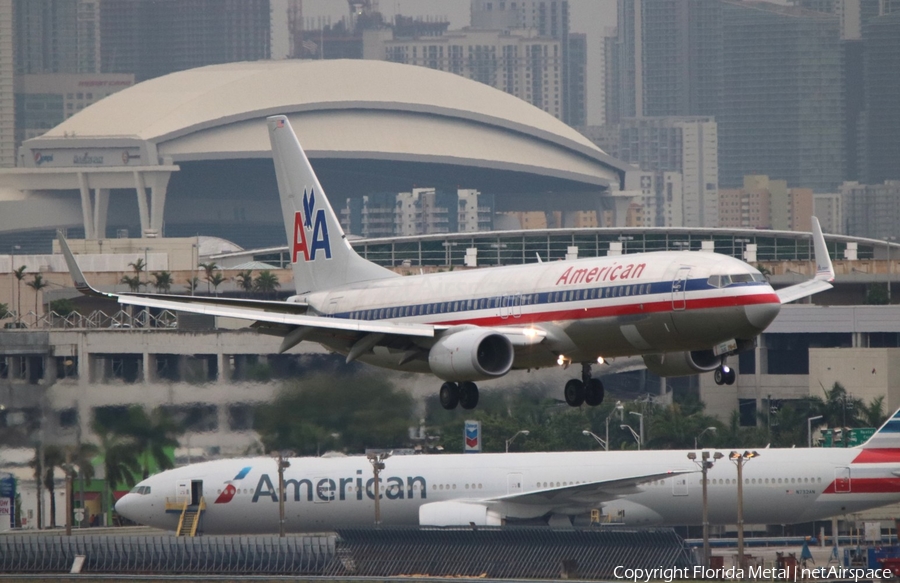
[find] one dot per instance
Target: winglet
(824, 271)
(78, 278)
(824, 268)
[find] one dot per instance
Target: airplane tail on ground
(321, 256)
(884, 445)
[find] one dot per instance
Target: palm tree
(120, 460)
(192, 284)
(873, 414)
(20, 275)
(43, 472)
(151, 434)
(138, 266)
(209, 268)
(162, 280)
(4, 311)
(216, 280)
(266, 283)
(245, 281)
(37, 284)
(134, 283)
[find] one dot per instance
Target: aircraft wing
(824, 271)
(286, 317)
(588, 493)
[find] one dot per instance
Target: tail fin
(321, 256)
(884, 443)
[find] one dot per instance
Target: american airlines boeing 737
(684, 312)
(781, 486)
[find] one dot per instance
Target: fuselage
(612, 306)
(781, 486)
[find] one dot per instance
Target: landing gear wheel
(593, 392)
(719, 376)
(730, 377)
(468, 395)
(574, 393)
(449, 396)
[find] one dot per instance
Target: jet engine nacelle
(456, 514)
(471, 354)
(679, 364)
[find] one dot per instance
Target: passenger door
(679, 288)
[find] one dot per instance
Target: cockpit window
(142, 490)
(727, 279)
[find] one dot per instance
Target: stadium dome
(368, 126)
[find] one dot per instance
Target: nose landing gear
(587, 390)
(724, 375)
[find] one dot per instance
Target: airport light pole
(705, 465)
(640, 416)
(617, 409)
(589, 433)
(739, 460)
(283, 464)
(634, 433)
(887, 243)
(377, 461)
(697, 439)
(809, 429)
(524, 432)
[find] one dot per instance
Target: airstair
(190, 518)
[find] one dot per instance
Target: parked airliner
(683, 312)
(781, 486)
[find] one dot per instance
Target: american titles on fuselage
(612, 272)
(329, 489)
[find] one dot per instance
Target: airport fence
(250, 555)
(502, 553)
(505, 553)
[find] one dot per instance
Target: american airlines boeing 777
(683, 312)
(781, 486)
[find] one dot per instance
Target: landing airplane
(683, 312)
(642, 488)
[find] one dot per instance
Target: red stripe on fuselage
(618, 310)
(878, 456)
(865, 486)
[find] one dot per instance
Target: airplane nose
(126, 506)
(761, 315)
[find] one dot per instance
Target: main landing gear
(724, 375)
(464, 394)
(588, 390)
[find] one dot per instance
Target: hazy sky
(592, 17)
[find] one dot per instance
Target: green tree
(877, 294)
(873, 414)
(120, 460)
(37, 284)
(19, 275)
(266, 283)
(310, 415)
(216, 280)
(209, 268)
(4, 311)
(840, 408)
(151, 434)
(133, 282)
(245, 281)
(192, 284)
(62, 307)
(162, 281)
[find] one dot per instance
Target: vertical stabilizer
(887, 437)
(321, 256)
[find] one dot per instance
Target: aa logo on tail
(310, 230)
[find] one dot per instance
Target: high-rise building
(828, 208)
(880, 121)
(687, 146)
(57, 36)
(549, 18)
(872, 210)
(781, 112)
(7, 86)
(519, 62)
(417, 212)
(150, 38)
(764, 203)
(768, 73)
